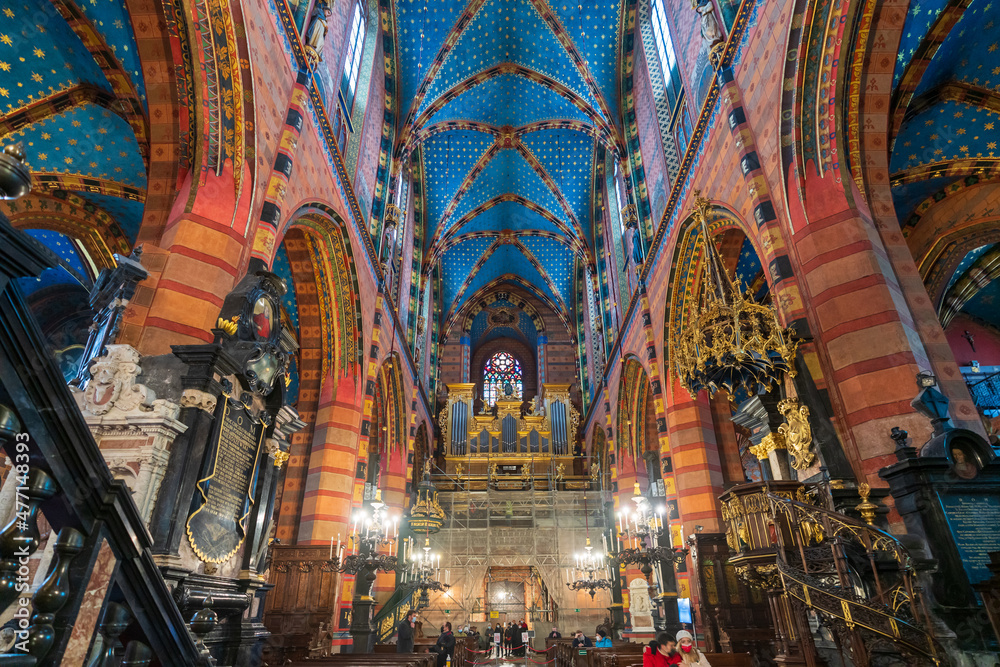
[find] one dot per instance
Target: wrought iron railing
(859, 578)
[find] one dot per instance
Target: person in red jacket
(659, 654)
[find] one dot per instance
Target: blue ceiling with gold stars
(526, 86)
(952, 126)
(919, 19)
(948, 130)
(47, 69)
(946, 120)
(969, 52)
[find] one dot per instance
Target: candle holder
(639, 532)
(590, 566)
(368, 533)
(422, 575)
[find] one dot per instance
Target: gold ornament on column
(771, 442)
(866, 508)
(797, 432)
(392, 215)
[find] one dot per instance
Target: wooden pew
(372, 660)
(609, 657)
(729, 659)
(628, 658)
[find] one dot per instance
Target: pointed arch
(337, 287)
(636, 420)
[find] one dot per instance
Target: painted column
(542, 342)
(695, 456)
(277, 185)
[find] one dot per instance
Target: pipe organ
(510, 434)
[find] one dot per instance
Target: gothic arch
(70, 214)
(523, 304)
(602, 456)
(394, 417)
(336, 285)
(635, 414)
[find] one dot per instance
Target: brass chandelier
(731, 341)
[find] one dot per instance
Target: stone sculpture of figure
(316, 34)
(710, 31)
(639, 605)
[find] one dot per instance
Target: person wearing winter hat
(690, 655)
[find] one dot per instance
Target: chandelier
(589, 567)
(422, 573)
(639, 530)
(368, 533)
(731, 342)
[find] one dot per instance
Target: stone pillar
(696, 463)
(329, 478)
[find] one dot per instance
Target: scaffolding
(540, 528)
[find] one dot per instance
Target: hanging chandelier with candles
(369, 532)
(589, 570)
(730, 341)
(638, 531)
(422, 572)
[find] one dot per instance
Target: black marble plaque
(217, 525)
(974, 521)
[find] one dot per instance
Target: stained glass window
(501, 378)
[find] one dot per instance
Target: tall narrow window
(502, 379)
(665, 50)
(620, 201)
(355, 46)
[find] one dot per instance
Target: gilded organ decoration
(512, 439)
(797, 433)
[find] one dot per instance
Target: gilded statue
(797, 433)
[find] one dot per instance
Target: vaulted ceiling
(72, 91)
(945, 164)
(508, 103)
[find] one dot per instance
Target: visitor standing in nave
(508, 638)
(445, 645)
(482, 641)
(404, 632)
